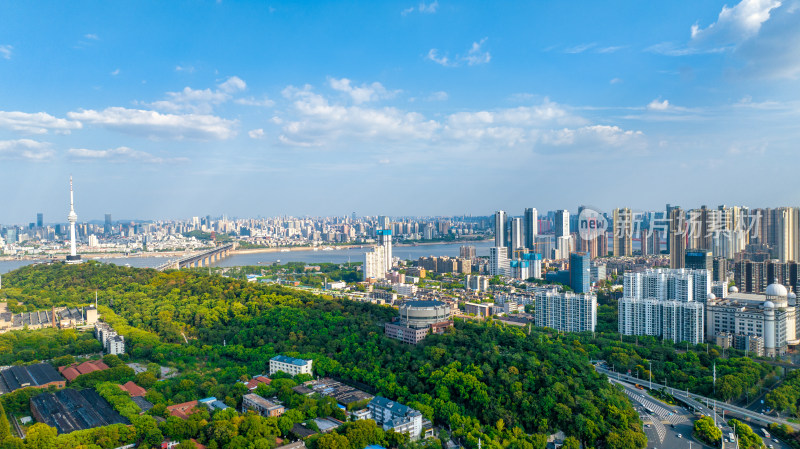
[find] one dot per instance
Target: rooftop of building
(261, 402)
(290, 360)
(424, 303)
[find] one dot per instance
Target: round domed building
(763, 323)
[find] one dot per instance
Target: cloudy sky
(174, 109)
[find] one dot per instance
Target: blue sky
(175, 109)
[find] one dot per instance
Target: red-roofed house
(253, 383)
(133, 389)
(183, 410)
(71, 372)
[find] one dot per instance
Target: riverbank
(287, 249)
(62, 256)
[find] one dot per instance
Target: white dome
(792, 295)
(777, 290)
(711, 296)
(733, 289)
(769, 305)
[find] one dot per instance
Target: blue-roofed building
(396, 416)
(289, 365)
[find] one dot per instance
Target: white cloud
(36, 123)
(580, 48)
(615, 81)
(656, 105)
(200, 100)
(424, 8)
(28, 149)
(319, 122)
(256, 133)
(475, 55)
(438, 96)
(155, 125)
(250, 101)
(610, 49)
(180, 68)
(433, 55)
(589, 136)
(360, 94)
(762, 34)
(736, 24)
(93, 37)
(120, 154)
(232, 85)
(5, 51)
(115, 72)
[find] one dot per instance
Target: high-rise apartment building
(580, 272)
(500, 219)
(107, 225)
(566, 311)
(39, 220)
(517, 237)
(562, 223)
(467, 252)
(623, 232)
(665, 303)
(531, 227)
(677, 238)
(498, 261)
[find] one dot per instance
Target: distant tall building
(719, 270)
(385, 240)
(39, 220)
(677, 238)
(383, 222)
(699, 259)
(517, 238)
(500, 219)
(72, 218)
(562, 223)
(623, 232)
(580, 272)
(531, 227)
(107, 225)
(467, 252)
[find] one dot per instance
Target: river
(309, 256)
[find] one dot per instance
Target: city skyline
(325, 109)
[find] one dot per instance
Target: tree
(5, 426)
(41, 436)
(571, 443)
(332, 441)
(707, 431)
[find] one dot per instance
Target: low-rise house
(396, 416)
(289, 365)
(132, 389)
(261, 406)
(71, 372)
(182, 410)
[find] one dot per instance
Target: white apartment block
(405, 289)
(393, 415)
(289, 365)
(499, 264)
(566, 311)
(375, 263)
(667, 303)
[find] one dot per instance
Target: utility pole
(649, 362)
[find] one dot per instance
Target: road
(743, 413)
(701, 405)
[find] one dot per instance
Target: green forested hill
(480, 380)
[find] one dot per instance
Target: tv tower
(72, 218)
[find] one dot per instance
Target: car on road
(680, 436)
(775, 440)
